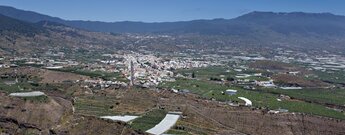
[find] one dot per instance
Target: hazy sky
(168, 10)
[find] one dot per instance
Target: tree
(230, 79)
(215, 79)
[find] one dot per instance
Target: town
(258, 73)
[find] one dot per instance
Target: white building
(231, 92)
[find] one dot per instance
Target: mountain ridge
(8, 24)
(249, 22)
(266, 29)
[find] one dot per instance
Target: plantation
(207, 72)
(37, 99)
(148, 120)
(335, 77)
(323, 96)
(18, 87)
(95, 106)
(95, 74)
(210, 90)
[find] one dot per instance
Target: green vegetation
(23, 83)
(335, 77)
(201, 87)
(214, 73)
(2, 130)
(8, 88)
(324, 96)
(268, 100)
(12, 25)
(206, 73)
(95, 74)
(149, 120)
(259, 98)
(177, 132)
(184, 128)
(18, 87)
(95, 105)
(31, 65)
(22, 63)
(37, 99)
(258, 78)
(311, 100)
(85, 55)
(9, 85)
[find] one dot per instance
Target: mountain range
(8, 24)
(295, 29)
(323, 24)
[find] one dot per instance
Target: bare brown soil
(58, 77)
(39, 115)
(87, 125)
(297, 80)
(18, 116)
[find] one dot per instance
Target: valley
(221, 76)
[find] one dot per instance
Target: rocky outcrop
(18, 116)
(11, 126)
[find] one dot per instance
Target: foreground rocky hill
(242, 120)
(56, 115)
(51, 116)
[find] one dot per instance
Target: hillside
(25, 38)
(298, 30)
(306, 24)
(8, 24)
(28, 16)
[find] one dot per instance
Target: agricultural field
(183, 127)
(177, 132)
(95, 106)
(261, 99)
(337, 77)
(95, 74)
(37, 99)
(207, 72)
(275, 66)
(115, 102)
(17, 87)
(218, 72)
(148, 120)
(323, 96)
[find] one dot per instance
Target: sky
(169, 10)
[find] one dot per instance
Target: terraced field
(148, 120)
(210, 90)
(323, 96)
(94, 74)
(95, 106)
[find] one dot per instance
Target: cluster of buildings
(101, 84)
(324, 61)
(150, 70)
